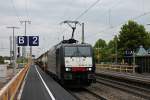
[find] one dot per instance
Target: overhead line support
(14, 49)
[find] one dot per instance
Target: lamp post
(98, 52)
(116, 50)
(133, 57)
(14, 48)
(25, 22)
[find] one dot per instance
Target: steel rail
(94, 94)
(127, 87)
(132, 78)
(85, 90)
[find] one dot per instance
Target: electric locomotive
(70, 62)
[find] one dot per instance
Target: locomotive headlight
(90, 69)
(68, 69)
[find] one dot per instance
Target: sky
(103, 20)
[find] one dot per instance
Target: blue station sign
(22, 40)
(28, 40)
(33, 41)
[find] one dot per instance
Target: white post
(10, 49)
(14, 43)
(15, 54)
(82, 32)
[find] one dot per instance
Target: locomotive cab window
(78, 51)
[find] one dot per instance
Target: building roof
(141, 51)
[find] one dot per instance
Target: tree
(112, 49)
(131, 36)
(100, 50)
(1, 60)
(100, 44)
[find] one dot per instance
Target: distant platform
(143, 78)
(3, 73)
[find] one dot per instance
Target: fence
(8, 92)
(117, 68)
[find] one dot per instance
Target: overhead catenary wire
(84, 12)
(90, 7)
(109, 10)
(15, 10)
(143, 8)
(26, 9)
(67, 10)
(109, 28)
(109, 18)
(113, 6)
(134, 18)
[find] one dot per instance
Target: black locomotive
(70, 62)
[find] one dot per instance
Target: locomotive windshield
(77, 51)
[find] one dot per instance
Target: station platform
(40, 86)
(141, 78)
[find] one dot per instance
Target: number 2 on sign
(35, 40)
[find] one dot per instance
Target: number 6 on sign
(33, 41)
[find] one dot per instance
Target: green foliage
(112, 46)
(100, 44)
(100, 51)
(98, 47)
(131, 36)
(1, 60)
(22, 60)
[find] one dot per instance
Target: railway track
(125, 86)
(85, 94)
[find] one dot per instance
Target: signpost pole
(28, 41)
(25, 25)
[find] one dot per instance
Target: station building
(141, 58)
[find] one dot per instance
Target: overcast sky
(101, 21)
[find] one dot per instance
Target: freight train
(70, 62)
